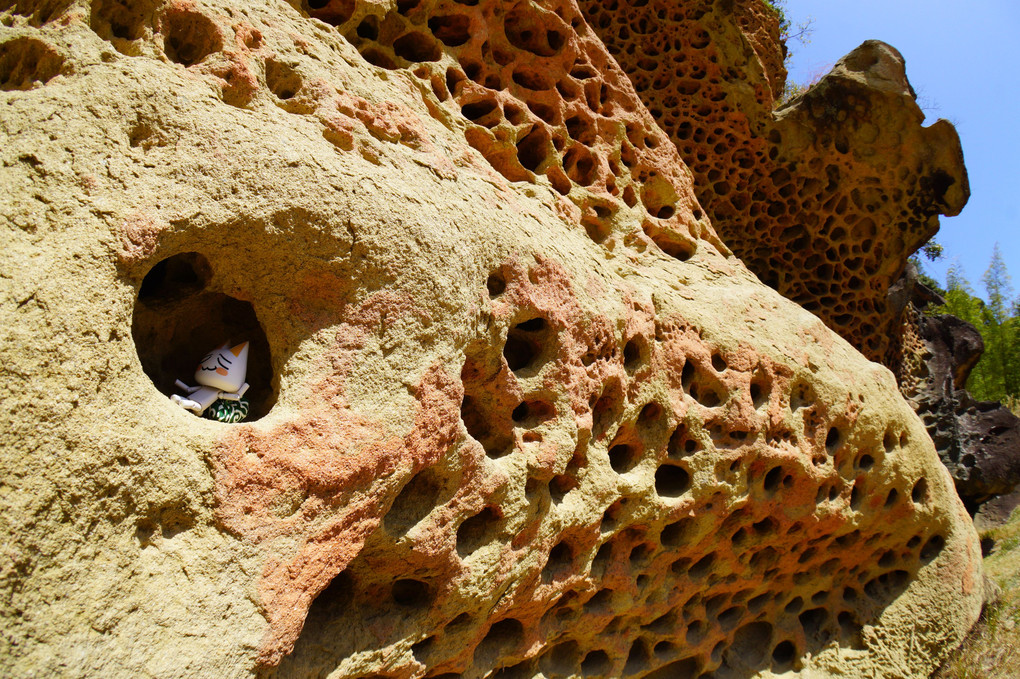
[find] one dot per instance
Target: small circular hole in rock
(496, 285)
(832, 439)
(672, 481)
(632, 353)
(407, 592)
(920, 491)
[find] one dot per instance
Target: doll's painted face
(224, 368)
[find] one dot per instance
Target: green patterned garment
(223, 410)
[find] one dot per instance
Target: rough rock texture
(979, 442)
(995, 513)
(824, 199)
(517, 413)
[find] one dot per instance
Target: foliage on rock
(996, 376)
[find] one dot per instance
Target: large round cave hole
(179, 317)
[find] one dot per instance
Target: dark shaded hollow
(478, 531)
(282, 79)
(495, 284)
(177, 320)
(189, 37)
(333, 12)
(26, 62)
(671, 480)
(411, 593)
(502, 637)
(623, 457)
(118, 19)
(416, 46)
(416, 500)
(527, 344)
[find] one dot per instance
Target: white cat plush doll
(220, 376)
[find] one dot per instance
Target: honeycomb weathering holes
(179, 317)
(539, 380)
(535, 100)
(807, 212)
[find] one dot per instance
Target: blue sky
(962, 62)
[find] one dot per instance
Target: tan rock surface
(495, 425)
(823, 199)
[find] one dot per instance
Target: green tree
(996, 377)
(960, 298)
(932, 251)
(1000, 330)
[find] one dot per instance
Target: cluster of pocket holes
(531, 84)
(729, 603)
(677, 580)
(186, 36)
(808, 223)
(177, 31)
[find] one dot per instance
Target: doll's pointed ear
(236, 351)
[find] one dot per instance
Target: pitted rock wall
(825, 198)
(509, 425)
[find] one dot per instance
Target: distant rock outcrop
(515, 408)
(979, 442)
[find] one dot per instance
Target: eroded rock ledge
(522, 413)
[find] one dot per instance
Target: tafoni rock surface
(825, 198)
(516, 410)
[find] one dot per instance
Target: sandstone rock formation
(520, 412)
(825, 199)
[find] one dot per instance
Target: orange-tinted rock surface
(825, 198)
(520, 412)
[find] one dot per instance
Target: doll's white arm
(187, 403)
(235, 396)
(186, 388)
